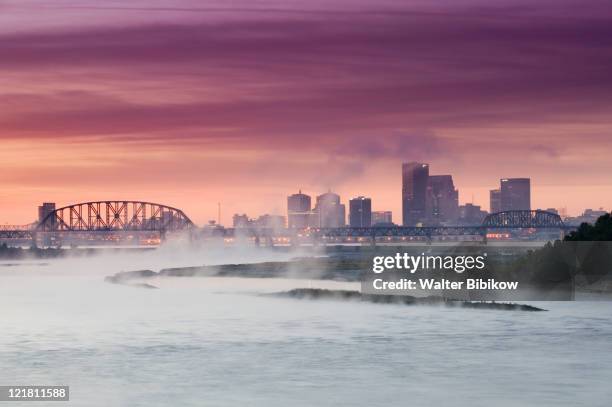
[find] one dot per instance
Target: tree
(600, 231)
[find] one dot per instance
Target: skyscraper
(515, 194)
(442, 200)
(330, 212)
(299, 211)
(495, 200)
(360, 212)
(415, 178)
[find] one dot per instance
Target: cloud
(318, 74)
(349, 158)
(324, 85)
(422, 145)
(547, 150)
(355, 88)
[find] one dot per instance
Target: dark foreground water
(214, 342)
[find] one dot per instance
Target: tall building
(45, 209)
(515, 194)
(495, 200)
(360, 212)
(415, 178)
(299, 213)
(330, 212)
(470, 214)
(382, 218)
(442, 200)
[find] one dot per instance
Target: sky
(194, 103)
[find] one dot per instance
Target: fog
(217, 341)
(66, 299)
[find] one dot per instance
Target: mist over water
(216, 341)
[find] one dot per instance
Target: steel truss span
(523, 219)
(400, 231)
(115, 216)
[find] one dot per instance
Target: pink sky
(192, 103)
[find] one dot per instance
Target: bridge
(103, 216)
(505, 221)
(21, 232)
(131, 216)
(140, 216)
(537, 219)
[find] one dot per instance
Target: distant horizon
(192, 103)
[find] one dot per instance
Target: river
(218, 342)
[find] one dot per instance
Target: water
(215, 342)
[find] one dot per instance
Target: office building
(495, 200)
(360, 212)
(299, 213)
(515, 194)
(270, 222)
(442, 200)
(415, 179)
(330, 212)
(382, 218)
(471, 215)
(241, 221)
(262, 222)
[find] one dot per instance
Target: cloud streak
(283, 76)
(340, 86)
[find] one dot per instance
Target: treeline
(586, 232)
(582, 258)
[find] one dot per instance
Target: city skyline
(194, 103)
(439, 206)
(343, 200)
